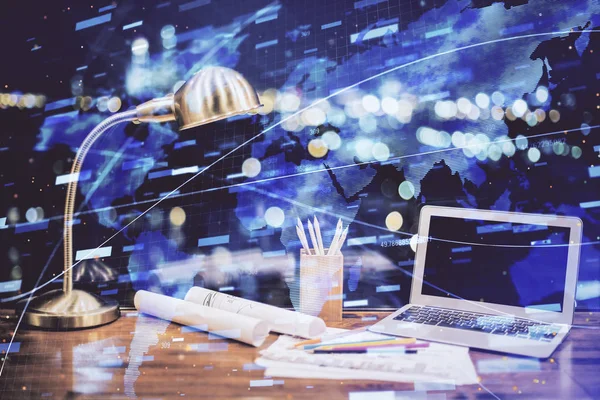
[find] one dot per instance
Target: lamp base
(64, 311)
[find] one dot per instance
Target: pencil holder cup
(322, 286)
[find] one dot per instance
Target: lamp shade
(213, 94)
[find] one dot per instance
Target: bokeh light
(474, 113)
(114, 104)
(445, 109)
(406, 190)
(498, 98)
(289, 102)
(140, 47)
(554, 115)
(355, 109)
(558, 148)
(540, 115)
(291, 123)
(494, 152)
(497, 113)
(368, 123)
(394, 221)
(458, 139)
(534, 154)
(389, 105)
(314, 116)
(509, 114)
(102, 104)
(370, 103)
(29, 100)
(13, 255)
(381, 152)
(482, 100)
(86, 103)
(167, 32)
(363, 148)
(509, 149)
(336, 116)
(585, 129)
(405, 111)
(16, 273)
(251, 167)
(413, 242)
(390, 88)
(274, 217)
(177, 216)
(541, 94)
(31, 215)
(519, 108)
(464, 105)
(332, 140)
(432, 137)
(323, 104)
(531, 119)
(521, 142)
(317, 148)
(13, 215)
(267, 99)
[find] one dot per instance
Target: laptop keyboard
(496, 325)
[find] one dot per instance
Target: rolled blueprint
(279, 319)
(243, 328)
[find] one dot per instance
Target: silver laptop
(498, 281)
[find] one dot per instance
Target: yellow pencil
(369, 344)
(307, 342)
(325, 338)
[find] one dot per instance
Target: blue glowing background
(482, 104)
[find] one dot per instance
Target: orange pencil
(368, 344)
(325, 338)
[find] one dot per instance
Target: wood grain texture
(142, 357)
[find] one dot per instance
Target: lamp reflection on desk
(213, 94)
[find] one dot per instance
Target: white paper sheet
(279, 319)
(439, 363)
(243, 328)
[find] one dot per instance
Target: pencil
(313, 239)
(371, 343)
(332, 336)
(341, 241)
(327, 344)
(375, 349)
(319, 237)
(303, 240)
(336, 237)
(302, 236)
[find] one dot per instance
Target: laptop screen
(505, 263)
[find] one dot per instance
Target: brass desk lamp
(213, 94)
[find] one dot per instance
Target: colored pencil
(371, 343)
(375, 349)
(332, 336)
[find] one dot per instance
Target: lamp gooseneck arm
(72, 188)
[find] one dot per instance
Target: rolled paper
(279, 319)
(243, 328)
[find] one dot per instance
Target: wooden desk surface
(147, 358)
